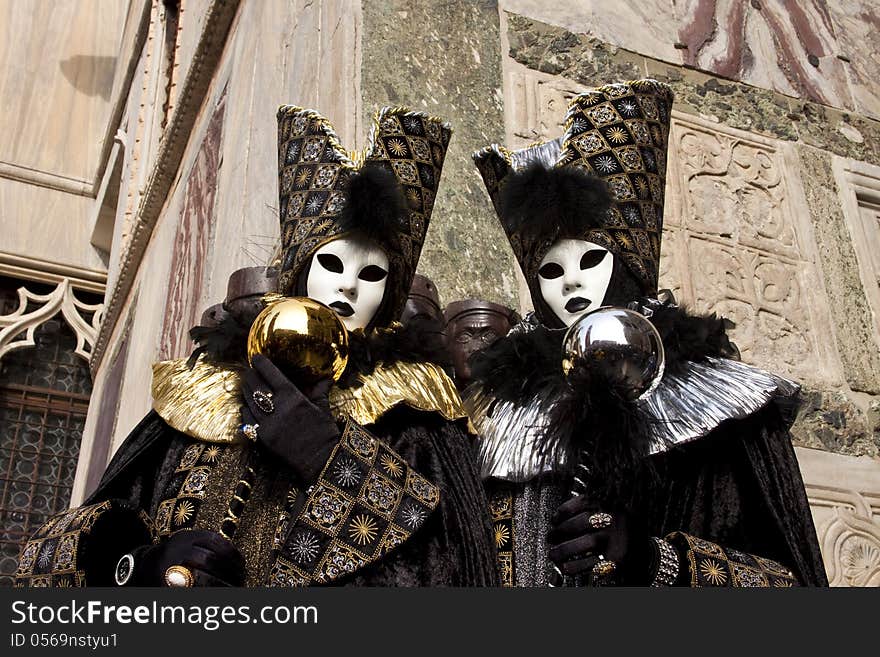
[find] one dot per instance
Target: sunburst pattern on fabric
(606, 164)
(346, 473)
(211, 454)
(413, 197)
(413, 515)
(183, 512)
(45, 557)
(502, 535)
(302, 178)
(616, 135)
(304, 547)
(362, 530)
(713, 572)
(391, 465)
(397, 147)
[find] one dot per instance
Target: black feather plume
(225, 342)
(519, 366)
(610, 433)
(553, 201)
(375, 206)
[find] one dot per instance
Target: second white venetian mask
(574, 277)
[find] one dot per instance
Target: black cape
(740, 486)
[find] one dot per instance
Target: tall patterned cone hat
(617, 134)
(386, 192)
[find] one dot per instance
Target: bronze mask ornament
(471, 326)
(423, 301)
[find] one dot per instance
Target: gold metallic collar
(422, 386)
(205, 402)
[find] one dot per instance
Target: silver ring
(249, 431)
(599, 520)
(264, 402)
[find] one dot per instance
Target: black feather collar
(528, 361)
(420, 341)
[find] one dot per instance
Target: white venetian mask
(349, 275)
(574, 276)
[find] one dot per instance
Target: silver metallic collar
(687, 405)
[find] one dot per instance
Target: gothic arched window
(44, 397)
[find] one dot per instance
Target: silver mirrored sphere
(622, 345)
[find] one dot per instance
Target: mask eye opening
(551, 270)
(372, 274)
(592, 258)
(331, 263)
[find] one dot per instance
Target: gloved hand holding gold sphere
(297, 348)
(303, 338)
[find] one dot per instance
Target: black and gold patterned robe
(397, 503)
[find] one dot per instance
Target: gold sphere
(303, 338)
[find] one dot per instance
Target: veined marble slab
(786, 45)
(857, 26)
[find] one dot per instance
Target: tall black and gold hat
(385, 192)
(602, 181)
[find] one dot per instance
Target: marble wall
(818, 50)
(443, 58)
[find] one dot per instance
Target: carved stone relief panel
(535, 104)
(844, 495)
(859, 186)
(749, 253)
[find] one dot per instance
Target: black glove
(576, 544)
(296, 425)
(211, 559)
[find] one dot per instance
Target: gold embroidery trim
(422, 386)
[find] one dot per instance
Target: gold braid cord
(712, 565)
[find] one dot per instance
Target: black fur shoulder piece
(518, 366)
(376, 207)
(547, 201)
(420, 341)
(688, 337)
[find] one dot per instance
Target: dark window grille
(44, 397)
